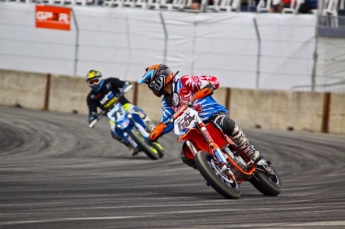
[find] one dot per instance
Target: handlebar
(100, 114)
(156, 133)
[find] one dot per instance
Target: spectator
(276, 6)
(196, 4)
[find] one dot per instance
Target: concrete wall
(68, 94)
(151, 104)
(337, 114)
(280, 110)
(266, 109)
(22, 88)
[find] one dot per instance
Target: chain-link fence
(329, 72)
(335, 88)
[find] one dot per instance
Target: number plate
(117, 114)
(185, 122)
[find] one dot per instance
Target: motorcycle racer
(178, 90)
(103, 96)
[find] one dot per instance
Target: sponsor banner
(53, 17)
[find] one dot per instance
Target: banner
(53, 17)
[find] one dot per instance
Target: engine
(239, 162)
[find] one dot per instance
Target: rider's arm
(196, 83)
(120, 84)
(92, 107)
(167, 112)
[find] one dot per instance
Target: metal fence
(334, 88)
(330, 77)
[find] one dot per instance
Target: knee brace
(225, 122)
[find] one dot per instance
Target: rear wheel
(211, 171)
(149, 150)
(266, 180)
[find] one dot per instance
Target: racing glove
(126, 88)
(157, 132)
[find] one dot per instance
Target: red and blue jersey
(185, 87)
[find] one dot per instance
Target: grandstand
(331, 7)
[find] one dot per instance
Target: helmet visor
(147, 77)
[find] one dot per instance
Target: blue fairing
(120, 132)
(138, 120)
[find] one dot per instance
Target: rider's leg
(130, 108)
(235, 133)
(118, 138)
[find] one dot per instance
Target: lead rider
(178, 90)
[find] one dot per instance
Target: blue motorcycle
(132, 130)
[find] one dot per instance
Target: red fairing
(194, 83)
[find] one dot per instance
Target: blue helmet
(93, 79)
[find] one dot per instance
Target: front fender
(194, 135)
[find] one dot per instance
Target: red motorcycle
(222, 164)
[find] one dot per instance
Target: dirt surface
(56, 172)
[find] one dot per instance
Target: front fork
(139, 127)
(128, 137)
(191, 148)
(142, 131)
(219, 156)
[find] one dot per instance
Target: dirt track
(55, 172)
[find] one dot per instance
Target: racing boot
(242, 143)
(134, 151)
(131, 149)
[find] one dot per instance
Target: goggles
(93, 82)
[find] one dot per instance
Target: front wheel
(266, 180)
(211, 172)
(159, 148)
(150, 151)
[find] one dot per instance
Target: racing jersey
(106, 96)
(184, 88)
